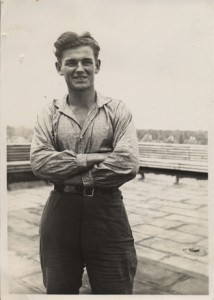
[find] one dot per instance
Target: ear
(98, 64)
(58, 67)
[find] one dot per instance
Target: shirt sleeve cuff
(87, 179)
(81, 161)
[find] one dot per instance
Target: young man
(86, 145)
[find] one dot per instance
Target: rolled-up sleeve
(46, 161)
(122, 164)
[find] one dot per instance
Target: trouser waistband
(81, 190)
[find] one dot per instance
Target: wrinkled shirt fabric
(60, 145)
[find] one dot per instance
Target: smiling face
(79, 66)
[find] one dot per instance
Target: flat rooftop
(169, 223)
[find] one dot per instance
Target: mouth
(79, 77)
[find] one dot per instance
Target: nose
(79, 68)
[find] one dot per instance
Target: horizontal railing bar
(180, 157)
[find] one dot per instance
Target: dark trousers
(78, 231)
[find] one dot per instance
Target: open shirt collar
(62, 104)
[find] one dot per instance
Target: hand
(103, 156)
(95, 158)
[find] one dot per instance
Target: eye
(87, 62)
(71, 63)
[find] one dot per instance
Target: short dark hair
(70, 39)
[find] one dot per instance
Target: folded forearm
(107, 177)
(53, 165)
(108, 181)
(49, 164)
(116, 170)
(75, 180)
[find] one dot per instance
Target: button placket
(81, 146)
(89, 119)
(83, 135)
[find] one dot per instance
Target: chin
(81, 87)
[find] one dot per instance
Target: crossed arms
(110, 169)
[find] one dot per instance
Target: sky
(156, 57)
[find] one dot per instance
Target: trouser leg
(112, 274)
(60, 251)
(108, 245)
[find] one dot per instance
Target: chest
(96, 133)
(81, 115)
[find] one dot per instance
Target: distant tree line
(173, 136)
(22, 134)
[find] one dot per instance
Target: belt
(81, 190)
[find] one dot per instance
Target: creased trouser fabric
(77, 231)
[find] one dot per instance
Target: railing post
(142, 176)
(177, 179)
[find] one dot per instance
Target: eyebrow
(73, 59)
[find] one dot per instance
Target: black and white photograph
(106, 112)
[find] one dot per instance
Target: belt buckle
(90, 193)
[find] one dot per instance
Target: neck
(82, 99)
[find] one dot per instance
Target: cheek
(67, 71)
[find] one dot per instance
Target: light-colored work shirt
(60, 144)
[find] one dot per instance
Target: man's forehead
(80, 51)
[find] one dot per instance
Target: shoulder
(119, 109)
(116, 106)
(54, 105)
(119, 104)
(50, 110)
